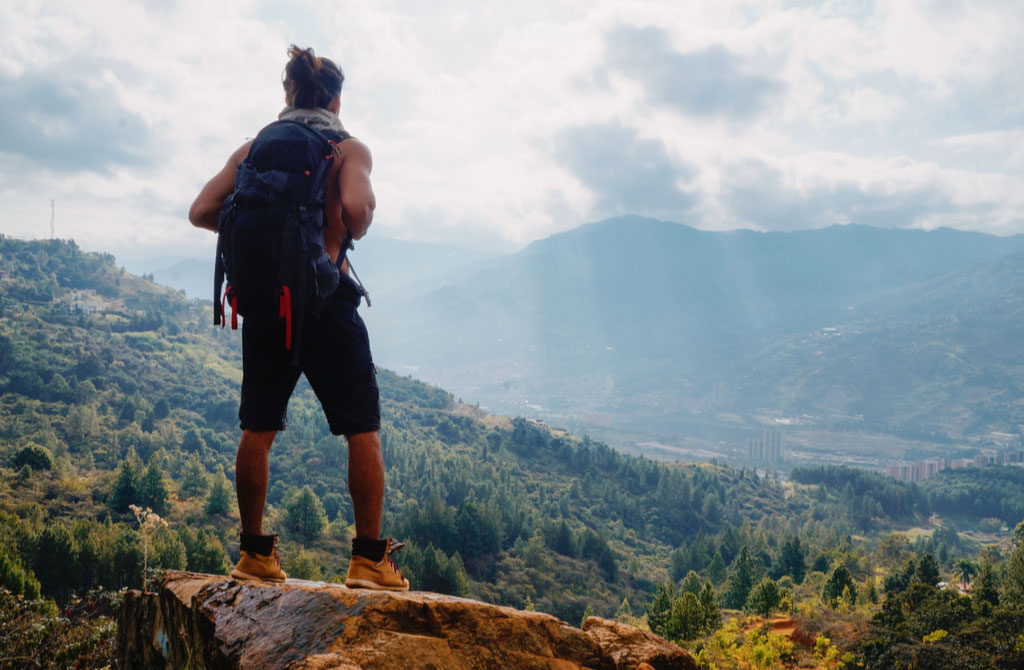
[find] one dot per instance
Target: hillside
(139, 407)
(938, 359)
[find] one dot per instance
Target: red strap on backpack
(285, 312)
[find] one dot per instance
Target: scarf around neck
(319, 118)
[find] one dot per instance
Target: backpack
(270, 243)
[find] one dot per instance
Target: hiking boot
(366, 573)
(259, 559)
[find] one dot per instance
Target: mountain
(936, 359)
(631, 316)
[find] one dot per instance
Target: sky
(493, 124)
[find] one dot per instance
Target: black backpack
(270, 243)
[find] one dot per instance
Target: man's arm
(357, 199)
(205, 211)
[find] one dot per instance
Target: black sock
(371, 549)
(257, 544)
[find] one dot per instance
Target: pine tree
(194, 480)
(153, 489)
(691, 583)
(659, 610)
(927, 571)
(587, 613)
(838, 580)
(791, 560)
(717, 571)
(741, 580)
(126, 487)
(1012, 583)
(764, 597)
(305, 516)
(986, 593)
(687, 620)
(218, 503)
(625, 612)
(709, 604)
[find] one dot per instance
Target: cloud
(762, 196)
(626, 173)
(708, 82)
(70, 119)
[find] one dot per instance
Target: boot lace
(394, 546)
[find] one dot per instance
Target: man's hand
(205, 211)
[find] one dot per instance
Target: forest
(136, 406)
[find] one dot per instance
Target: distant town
(920, 470)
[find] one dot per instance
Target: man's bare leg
(251, 475)
(366, 482)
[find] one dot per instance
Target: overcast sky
(495, 123)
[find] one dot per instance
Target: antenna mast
(53, 207)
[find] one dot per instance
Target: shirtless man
(335, 353)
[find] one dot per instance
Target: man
(334, 348)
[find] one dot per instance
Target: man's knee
(257, 439)
(368, 440)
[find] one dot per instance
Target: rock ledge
(214, 622)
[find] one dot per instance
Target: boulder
(213, 622)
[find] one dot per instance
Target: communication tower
(53, 208)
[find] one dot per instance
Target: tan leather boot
(383, 575)
(252, 565)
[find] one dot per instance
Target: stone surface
(213, 622)
(630, 647)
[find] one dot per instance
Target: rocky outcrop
(211, 622)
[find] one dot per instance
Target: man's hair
(310, 81)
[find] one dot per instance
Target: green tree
(659, 610)
(709, 603)
(927, 571)
(587, 613)
(838, 580)
(56, 564)
(687, 619)
(193, 442)
(33, 455)
(126, 486)
(986, 587)
(153, 489)
(168, 551)
(15, 578)
(691, 583)
(965, 570)
(741, 580)
(430, 569)
(218, 503)
(203, 550)
(717, 571)
(1012, 582)
(302, 564)
(82, 424)
(764, 598)
(305, 516)
(194, 480)
(791, 560)
(625, 612)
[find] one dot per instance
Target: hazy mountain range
(637, 321)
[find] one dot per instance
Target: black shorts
(335, 357)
